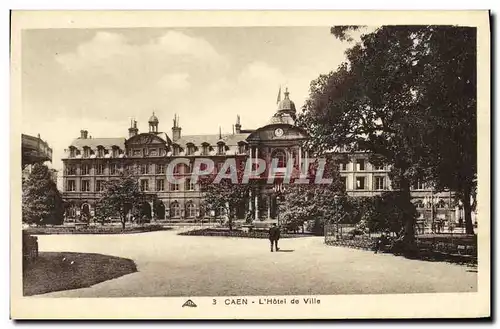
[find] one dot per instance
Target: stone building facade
(89, 162)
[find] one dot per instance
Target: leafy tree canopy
(42, 202)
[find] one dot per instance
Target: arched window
(190, 210)
(175, 209)
(441, 204)
(419, 204)
(280, 156)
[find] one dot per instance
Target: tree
(121, 196)
(303, 202)
(223, 195)
(368, 104)
(443, 88)
(42, 202)
(448, 98)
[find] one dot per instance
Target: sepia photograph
(267, 168)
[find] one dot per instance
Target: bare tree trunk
(408, 235)
(469, 228)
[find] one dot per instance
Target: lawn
(56, 271)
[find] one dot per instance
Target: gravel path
(173, 265)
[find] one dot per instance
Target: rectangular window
(205, 150)
(72, 152)
(144, 185)
(190, 186)
(343, 167)
(100, 169)
(85, 185)
(220, 149)
(418, 186)
(71, 186)
(100, 152)
(86, 152)
(160, 168)
(160, 184)
(360, 183)
(153, 152)
(380, 183)
(113, 169)
(379, 167)
(144, 169)
(71, 170)
(99, 185)
(177, 169)
(85, 170)
(188, 168)
(219, 166)
(174, 187)
(360, 165)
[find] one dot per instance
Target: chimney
(238, 125)
(83, 134)
(176, 130)
(133, 131)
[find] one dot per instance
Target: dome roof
(282, 118)
(153, 119)
(287, 105)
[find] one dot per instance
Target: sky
(98, 79)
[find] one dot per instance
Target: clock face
(278, 132)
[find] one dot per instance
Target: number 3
(214, 302)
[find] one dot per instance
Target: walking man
(274, 236)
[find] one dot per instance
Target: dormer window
(205, 148)
(115, 152)
(190, 149)
(221, 149)
(176, 149)
(242, 149)
(72, 152)
(86, 151)
(100, 152)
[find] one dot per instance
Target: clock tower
(278, 143)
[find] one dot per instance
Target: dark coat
(274, 233)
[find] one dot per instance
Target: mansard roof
(198, 140)
(93, 143)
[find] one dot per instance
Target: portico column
(250, 196)
(306, 162)
(256, 209)
(250, 157)
(152, 210)
(269, 207)
(300, 158)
